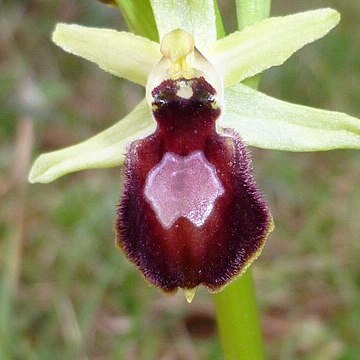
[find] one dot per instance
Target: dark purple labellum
(191, 213)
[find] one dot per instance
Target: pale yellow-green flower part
(176, 46)
(268, 123)
(119, 53)
(236, 57)
(268, 43)
(194, 16)
(106, 149)
(261, 120)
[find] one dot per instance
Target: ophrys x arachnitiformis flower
(191, 213)
(182, 81)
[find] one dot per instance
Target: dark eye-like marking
(184, 93)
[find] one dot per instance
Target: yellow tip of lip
(189, 294)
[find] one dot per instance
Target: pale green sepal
(107, 149)
(268, 123)
(268, 43)
(194, 16)
(120, 53)
(139, 17)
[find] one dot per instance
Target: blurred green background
(67, 293)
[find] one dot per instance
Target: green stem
(248, 12)
(139, 17)
(236, 309)
(219, 23)
(238, 320)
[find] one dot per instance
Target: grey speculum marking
(183, 186)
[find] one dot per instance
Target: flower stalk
(237, 312)
(238, 320)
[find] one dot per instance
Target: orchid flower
(191, 213)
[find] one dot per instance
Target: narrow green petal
(139, 17)
(106, 149)
(268, 43)
(195, 16)
(269, 123)
(120, 53)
